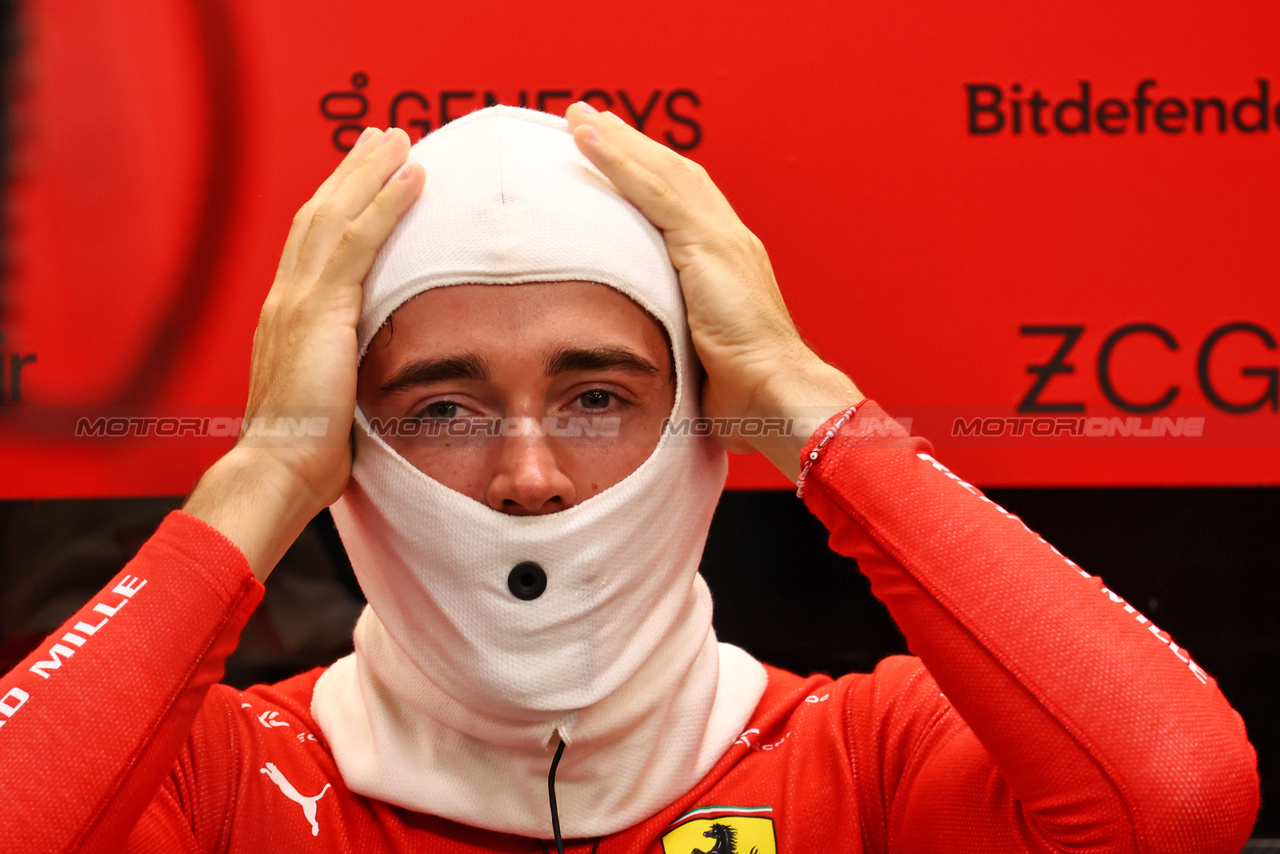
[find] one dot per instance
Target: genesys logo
(1233, 365)
(994, 109)
(668, 115)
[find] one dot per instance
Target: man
(537, 662)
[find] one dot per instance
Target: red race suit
(1043, 712)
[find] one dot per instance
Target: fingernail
(587, 108)
(591, 134)
(364, 137)
(386, 137)
(403, 174)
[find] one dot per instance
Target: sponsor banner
(999, 219)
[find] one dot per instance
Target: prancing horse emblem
(732, 830)
(726, 840)
(308, 804)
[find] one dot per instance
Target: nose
(526, 477)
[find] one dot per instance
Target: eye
(595, 399)
(440, 409)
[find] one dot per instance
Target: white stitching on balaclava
(457, 687)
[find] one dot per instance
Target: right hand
(304, 349)
(305, 357)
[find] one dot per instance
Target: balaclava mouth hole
(673, 374)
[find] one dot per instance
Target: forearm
(1100, 725)
(92, 720)
(254, 502)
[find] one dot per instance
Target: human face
(534, 356)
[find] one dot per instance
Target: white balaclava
(458, 689)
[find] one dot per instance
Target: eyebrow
(424, 371)
(568, 359)
(472, 367)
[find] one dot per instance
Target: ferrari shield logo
(722, 830)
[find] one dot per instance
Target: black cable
(594, 845)
(551, 792)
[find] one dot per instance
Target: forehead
(514, 320)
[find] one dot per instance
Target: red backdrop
(1044, 233)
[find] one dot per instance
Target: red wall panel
(1020, 279)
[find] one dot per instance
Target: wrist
(256, 503)
(805, 394)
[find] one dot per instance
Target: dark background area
(1200, 562)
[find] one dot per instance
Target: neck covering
(457, 690)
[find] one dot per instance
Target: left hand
(756, 362)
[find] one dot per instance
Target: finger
(302, 219)
(364, 145)
(647, 190)
(684, 175)
(351, 260)
(349, 198)
(671, 190)
(649, 152)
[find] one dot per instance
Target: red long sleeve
(92, 720)
(1102, 734)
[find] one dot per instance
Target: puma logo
(308, 804)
